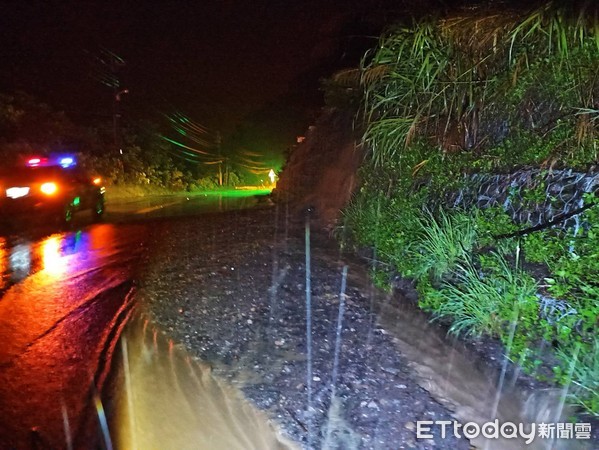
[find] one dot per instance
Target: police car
(49, 188)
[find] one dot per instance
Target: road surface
(64, 300)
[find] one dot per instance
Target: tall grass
(442, 79)
(475, 301)
(443, 243)
(479, 303)
(584, 391)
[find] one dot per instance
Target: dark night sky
(217, 61)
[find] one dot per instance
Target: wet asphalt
(65, 296)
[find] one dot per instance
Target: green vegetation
(487, 92)
(506, 89)
(444, 243)
(584, 376)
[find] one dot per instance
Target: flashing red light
(34, 161)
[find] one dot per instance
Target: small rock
(410, 426)
(315, 378)
(391, 370)
(373, 405)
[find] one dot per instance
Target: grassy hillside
(486, 91)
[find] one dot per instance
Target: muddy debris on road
(232, 288)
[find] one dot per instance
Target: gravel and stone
(231, 288)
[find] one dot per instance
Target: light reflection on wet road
(64, 299)
(59, 256)
(172, 401)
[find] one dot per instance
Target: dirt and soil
(232, 288)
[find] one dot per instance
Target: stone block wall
(531, 197)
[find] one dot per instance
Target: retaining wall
(530, 196)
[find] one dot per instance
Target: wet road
(64, 300)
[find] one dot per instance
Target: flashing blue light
(67, 162)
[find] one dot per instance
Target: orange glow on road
(54, 262)
(101, 239)
(3, 262)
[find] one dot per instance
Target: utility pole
(115, 63)
(220, 163)
(116, 115)
(226, 171)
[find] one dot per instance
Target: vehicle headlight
(49, 188)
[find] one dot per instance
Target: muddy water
(167, 400)
(450, 373)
